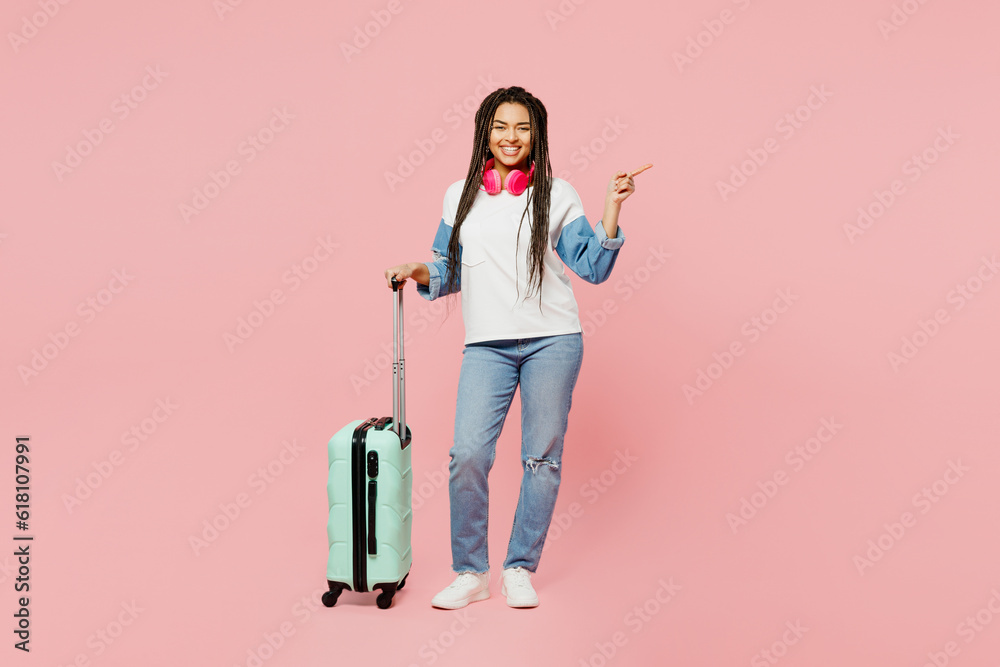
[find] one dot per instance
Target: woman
(534, 339)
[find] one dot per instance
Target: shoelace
(518, 578)
(463, 580)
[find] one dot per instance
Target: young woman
(521, 327)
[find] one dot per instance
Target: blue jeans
(546, 368)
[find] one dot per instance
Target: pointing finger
(642, 169)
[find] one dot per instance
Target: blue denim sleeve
(438, 268)
(589, 252)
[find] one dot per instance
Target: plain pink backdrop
(646, 563)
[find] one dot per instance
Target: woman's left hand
(622, 185)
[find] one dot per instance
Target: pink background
(644, 562)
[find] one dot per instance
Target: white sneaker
(467, 587)
(517, 587)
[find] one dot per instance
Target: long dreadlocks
(538, 197)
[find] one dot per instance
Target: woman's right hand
(401, 272)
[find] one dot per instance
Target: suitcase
(369, 488)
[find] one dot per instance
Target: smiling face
(510, 138)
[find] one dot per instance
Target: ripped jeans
(547, 369)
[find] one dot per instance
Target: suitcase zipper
(358, 504)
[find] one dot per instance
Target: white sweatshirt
(494, 279)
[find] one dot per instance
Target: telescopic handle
(398, 375)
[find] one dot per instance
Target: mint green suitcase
(369, 489)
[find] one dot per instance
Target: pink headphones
(517, 182)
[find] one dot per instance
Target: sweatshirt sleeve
(589, 253)
(438, 268)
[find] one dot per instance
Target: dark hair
(539, 195)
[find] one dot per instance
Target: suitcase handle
(398, 375)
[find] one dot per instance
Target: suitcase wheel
(403, 582)
(384, 599)
(330, 597)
